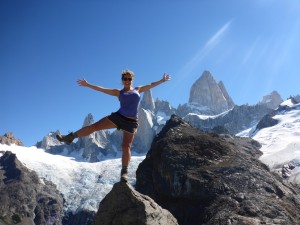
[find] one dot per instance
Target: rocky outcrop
(9, 139)
(125, 206)
(296, 98)
(271, 101)
(209, 179)
(25, 199)
(267, 121)
(207, 97)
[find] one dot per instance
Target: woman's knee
(103, 124)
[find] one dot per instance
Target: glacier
(281, 142)
(82, 184)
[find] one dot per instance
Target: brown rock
(9, 139)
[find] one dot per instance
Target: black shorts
(123, 122)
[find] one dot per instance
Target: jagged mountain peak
(226, 95)
(9, 138)
(271, 100)
(209, 97)
(89, 119)
(147, 101)
(206, 75)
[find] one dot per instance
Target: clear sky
(45, 46)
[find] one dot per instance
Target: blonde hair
(127, 72)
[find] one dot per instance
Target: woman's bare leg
(102, 124)
(126, 145)
(126, 154)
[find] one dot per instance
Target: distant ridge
(9, 139)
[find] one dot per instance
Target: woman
(126, 118)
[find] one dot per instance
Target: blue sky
(45, 46)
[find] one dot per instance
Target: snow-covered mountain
(85, 172)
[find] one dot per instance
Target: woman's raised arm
(84, 83)
(166, 77)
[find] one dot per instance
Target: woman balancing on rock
(126, 118)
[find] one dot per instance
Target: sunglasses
(127, 79)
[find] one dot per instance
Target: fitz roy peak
(207, 97)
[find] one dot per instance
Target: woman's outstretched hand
(82, 82)
(166, 77)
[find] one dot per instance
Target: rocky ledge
(125, 206)
(204, 178)
(24, 198)
(9, 139)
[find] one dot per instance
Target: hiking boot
(124, 175)
(68, 139)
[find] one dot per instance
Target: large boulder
(125, 206)
(204, 178)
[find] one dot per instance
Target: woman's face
(127, 79)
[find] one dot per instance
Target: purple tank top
(129, 102)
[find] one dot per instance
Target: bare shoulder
(139, 89)
(117, 92)
(114, 92)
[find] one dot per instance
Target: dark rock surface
(24, 199)
(267, 121)
(125, 206)
(204, 178)
(80, 217)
